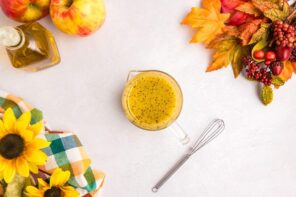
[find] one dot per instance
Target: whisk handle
(171, 172)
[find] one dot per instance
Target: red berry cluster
(256, 71)
(284, 34)
(273, 60)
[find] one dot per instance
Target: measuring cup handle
(180, 133)
(132, 74)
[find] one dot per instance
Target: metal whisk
(211, 132)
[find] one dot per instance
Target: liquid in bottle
(30, 46)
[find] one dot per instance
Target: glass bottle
(30, 46)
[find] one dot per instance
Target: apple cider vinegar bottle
(30, 46)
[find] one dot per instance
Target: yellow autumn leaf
(273, 9)
(236, 63)
(228, 50)
(208, 21)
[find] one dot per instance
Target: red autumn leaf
(238, 18)
(228, 6)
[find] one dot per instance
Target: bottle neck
(10, 37)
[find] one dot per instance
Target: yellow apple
(77, 17)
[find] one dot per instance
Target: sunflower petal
(23, 122)
(33, 192)
(59, 177)
(3, 163)
(69, 191)
(2, 129)
(33, 168)
(42, 183)
(9, 173)
(54, 179)
(64, 177)
(22, 167)
(36, 128)
(9, 119)
(35, 156)
(39, 143)
(27, 135)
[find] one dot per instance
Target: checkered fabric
(65, 151)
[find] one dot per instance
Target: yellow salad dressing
(152, 100)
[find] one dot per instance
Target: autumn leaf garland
(236, 29)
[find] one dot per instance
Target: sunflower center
(11, 146)
(53, 192)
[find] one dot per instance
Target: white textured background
(254, 157)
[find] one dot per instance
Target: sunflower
(56, 188)
(19, 148)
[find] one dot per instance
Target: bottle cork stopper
(9, 36)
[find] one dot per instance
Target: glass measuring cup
(152, 100)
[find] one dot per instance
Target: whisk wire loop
(210, 133)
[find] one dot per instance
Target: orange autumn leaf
(248, 29)
(249, 8)
(231, 30)
(265, 5)
(227, 51)
(289, 69)
(208, 21)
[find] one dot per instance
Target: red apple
(25, 10)
(77, 17)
